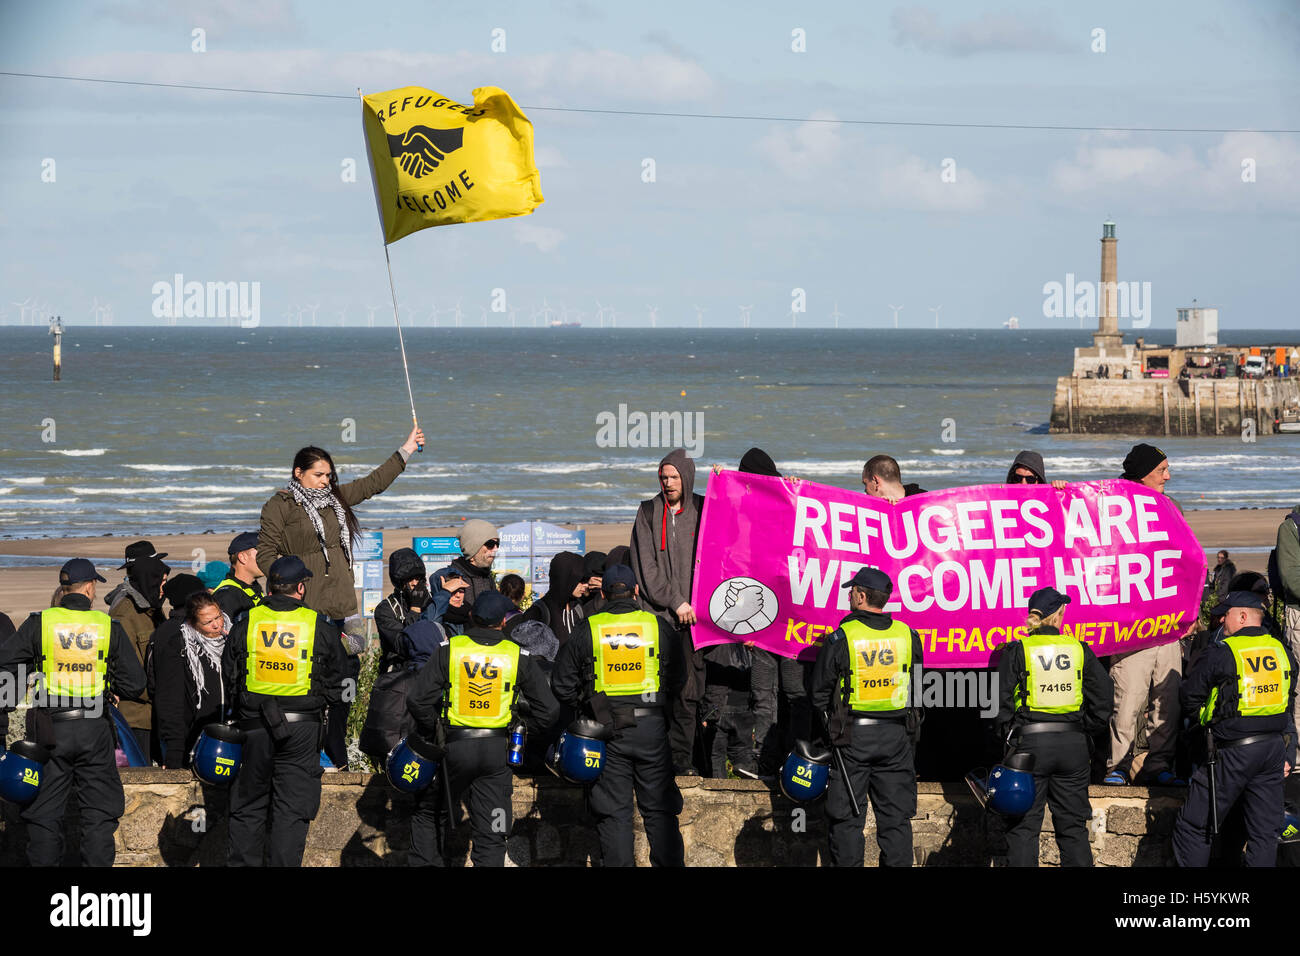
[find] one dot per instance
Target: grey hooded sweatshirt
(663, 542)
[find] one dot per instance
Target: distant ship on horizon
(560, 324)
(1011, 323)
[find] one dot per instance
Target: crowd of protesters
(740, 708)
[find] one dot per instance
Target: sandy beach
(27, 589)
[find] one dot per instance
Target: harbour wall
(1178, 407)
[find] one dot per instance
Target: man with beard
(479, 541)
(663, 557)
(136, 604)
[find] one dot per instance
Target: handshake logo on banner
(774, 554)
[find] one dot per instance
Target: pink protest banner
(773, 553)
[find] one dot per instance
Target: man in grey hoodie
(663, 557)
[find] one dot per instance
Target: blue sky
(237, 187)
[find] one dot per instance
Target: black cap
(1141, 460)
(141, 549)
(288, 569)
(618, 576)
(1047, 601)
(491, 607)
(78, 571)
(181, 588)
(243, 542)
(1238, 599)
(873, 578)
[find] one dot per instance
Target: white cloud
(847, 169)
(1184, 177)
(806, 150)
(919, 26)
(544, 238)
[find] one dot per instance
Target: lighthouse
(1108, 334)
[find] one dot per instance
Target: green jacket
(139, 627)
(1288, 557)
(286, 529)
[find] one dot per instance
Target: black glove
(175, 760)
(417, 596)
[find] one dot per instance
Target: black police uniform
(1061, 742)
(475, 760)
(878, 755)
(237, 598)
(1250, 754)
(281, 768)
(83, 742)
(639, 757)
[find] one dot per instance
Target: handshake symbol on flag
(420, 149)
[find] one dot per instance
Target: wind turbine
(370, 314)
(613, 318)
(744, 314)
(288, 315)
(836, 315)
(699, 317)
(897, 309)
(458, 314)
(600, 313)
(654, 314)
(483, 310)
(794, 318)
(343, 316)
(312, 309)
(546, 312)
(24, 307)
(935, 309)
(97, 311)
(512, 317)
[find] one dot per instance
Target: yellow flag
(435, 162)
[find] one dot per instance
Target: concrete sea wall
(169, 821)
(1181, 407)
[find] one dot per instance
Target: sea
(158, 430)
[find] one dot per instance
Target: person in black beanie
(1148, 678)
(137, 604)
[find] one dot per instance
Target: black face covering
(146, 576)
(457, 615)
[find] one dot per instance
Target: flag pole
(392, 288)
(401, 342)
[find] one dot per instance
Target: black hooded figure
(558, 609)
(403, 605)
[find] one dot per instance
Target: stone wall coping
(157, 775)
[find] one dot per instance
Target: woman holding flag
(312, 517)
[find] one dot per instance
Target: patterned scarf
(200, 650)
(314, 499)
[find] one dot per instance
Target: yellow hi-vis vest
(280, 648)
(74, 651)
(626, 649)
(880, 666)
(482, 682)
(235, 583)
(1053, 682)
(1263, 677)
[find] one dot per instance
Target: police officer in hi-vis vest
(862, 682)
(622, 667)
(83, 657)
(1054, 696)
(1241, 687)
(470, 686)
(239, 592)
(282, 664)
